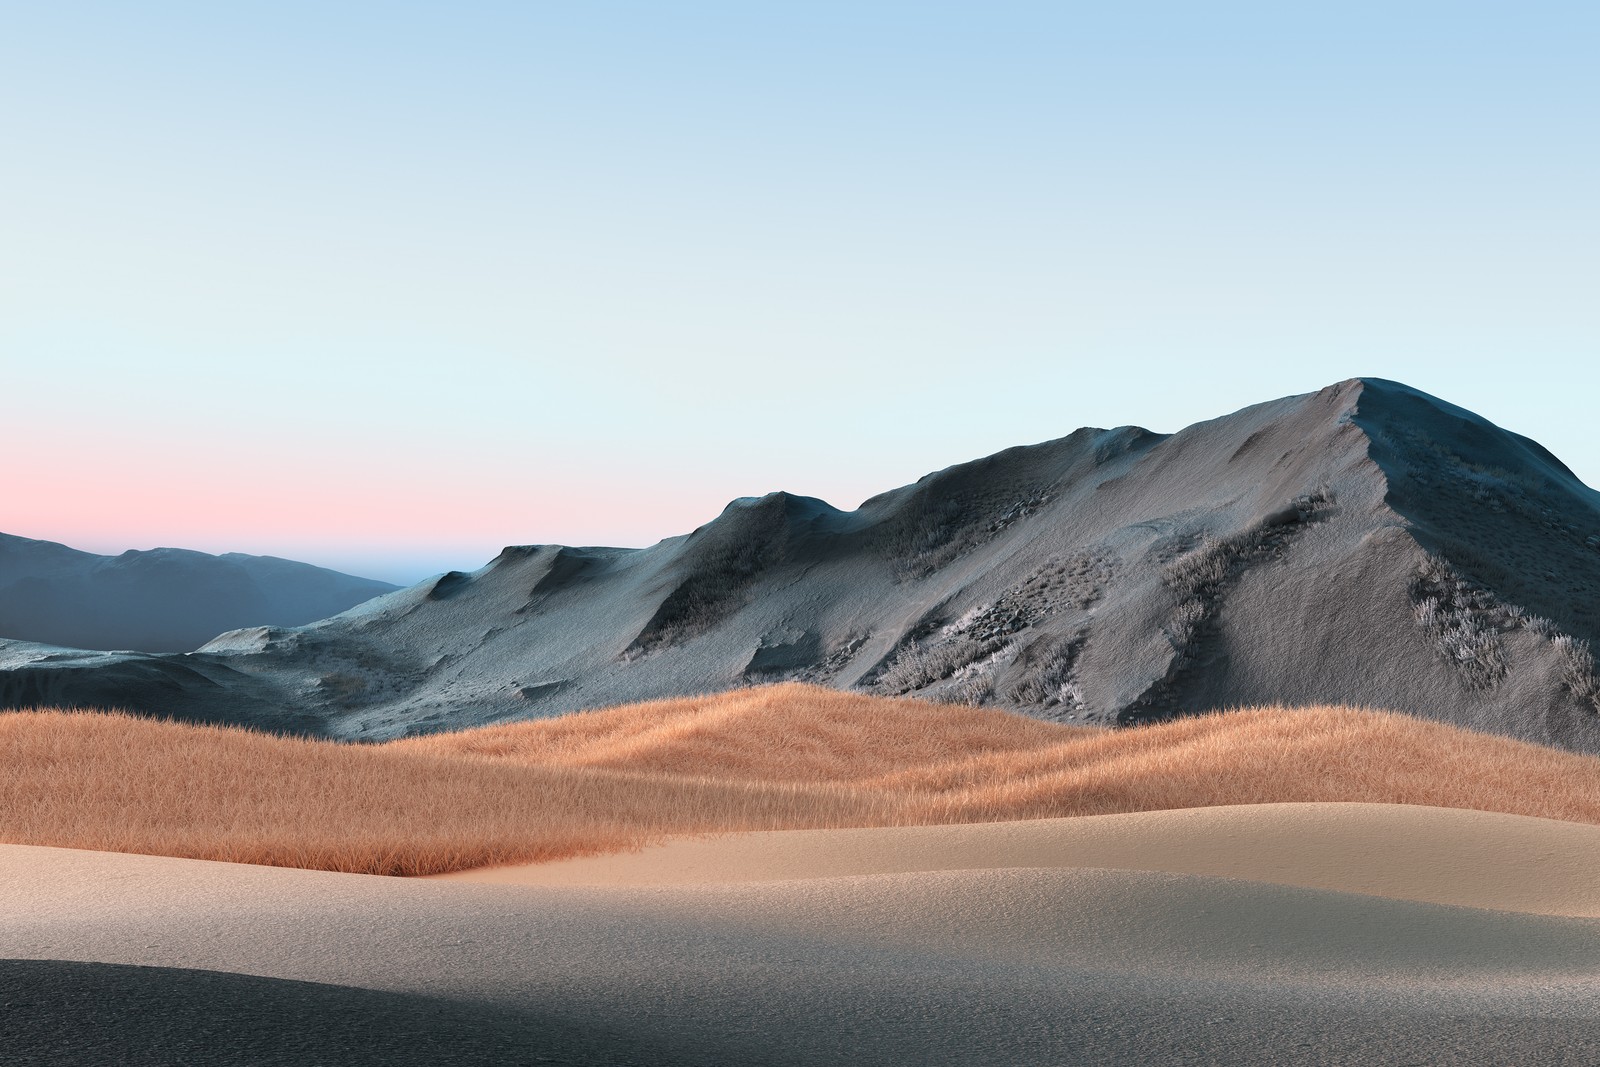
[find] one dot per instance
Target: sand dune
(1290, 933)
(1040, 966)
(1434, 855)
(777, 758)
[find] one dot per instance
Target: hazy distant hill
(163, 600)
(1365, 544)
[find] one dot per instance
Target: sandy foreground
(1475, 859)
(1280, 934)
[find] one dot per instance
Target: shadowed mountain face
(164, 600)
(1366, 544)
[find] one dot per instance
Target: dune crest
(1470, 859)
(1031, 967)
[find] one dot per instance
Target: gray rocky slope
(162, 600)
(1366, 544)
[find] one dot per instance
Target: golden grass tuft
(781, 757)
(783, 733)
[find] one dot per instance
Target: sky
(386, 287)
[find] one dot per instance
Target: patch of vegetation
(1052, 682)
(981, 637)
(1468, 621)
(1198, 578)
(721, 569)
(1465, 619)
(973, 683)
(920, 665)
(1074, 583)
(774, 758)
(342, 687)
(934, 533)
(711, 593)
(1578, 669)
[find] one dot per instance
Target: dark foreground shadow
(67, 1014)
(61, 1013)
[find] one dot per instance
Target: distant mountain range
(163, 600)
(1365, 544)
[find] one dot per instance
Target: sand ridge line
(1036, 926)
(1434, 855)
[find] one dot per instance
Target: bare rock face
(1365, 544)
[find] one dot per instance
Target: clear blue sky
(387, 286)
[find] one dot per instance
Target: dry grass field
(780, 757)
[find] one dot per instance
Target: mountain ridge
(160, 599)
(1363, 544)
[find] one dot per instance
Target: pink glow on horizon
(341, 513)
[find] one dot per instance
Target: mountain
(163, 600)
(1365, 544)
